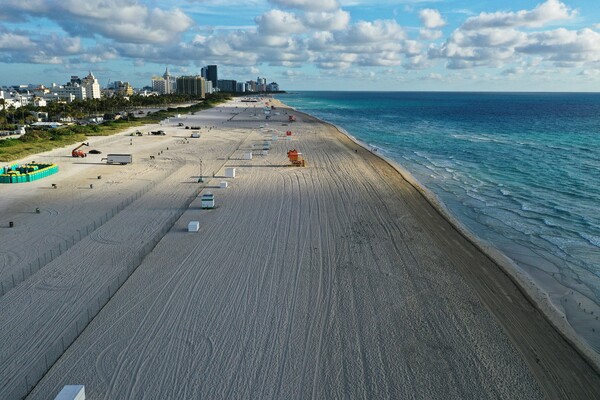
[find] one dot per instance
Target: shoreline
(543, 227)
(534, 293)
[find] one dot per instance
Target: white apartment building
(70, 92)
(165, 84)
(92, 86)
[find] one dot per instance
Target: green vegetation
(39, 140)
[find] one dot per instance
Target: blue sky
(539, 45)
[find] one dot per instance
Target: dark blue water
(519, 170)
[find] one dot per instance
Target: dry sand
(338, 280)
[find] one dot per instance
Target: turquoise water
(520, 170)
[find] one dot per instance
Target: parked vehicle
(118, 159)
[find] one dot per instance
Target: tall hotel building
(193, 85)
(164, 84)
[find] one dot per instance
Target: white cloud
(308, 5)
(325, 21)
(564, 45)
(374, 32)
(433, 76)
(277, 22)
(125, 21)
(12, 41)
(431, 19)
(542, 14)
(430, 34)
(503, 38)
(417, 62)
(293, 74)
(321, 41)
(590, 73)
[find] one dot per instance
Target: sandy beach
(337, 280)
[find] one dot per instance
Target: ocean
(521, 171)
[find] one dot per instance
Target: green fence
(26, 173)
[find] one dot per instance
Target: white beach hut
(247, 155)
(224, 184)
(230, 172)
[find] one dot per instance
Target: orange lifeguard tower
(296, 158)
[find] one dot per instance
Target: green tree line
(37, 140)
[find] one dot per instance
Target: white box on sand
(230, 172)
(194, 226)
(71, 392)
(247, 155)
(265, 152)
(223, 184)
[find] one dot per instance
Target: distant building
(39, 102)
(227, 85)
(261, 84)
(241, 87)
(70, 92)
(251, 86)
(212, 75)
(208, 87)
(192, 85)
(273, 87)
(122, 88)
(92, 86)
(165, 84)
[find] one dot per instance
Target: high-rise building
(92, 86)
(241, 87)
(164, 84)
(193, 85)
(261, 84)
(227, 85)
(208, 87)
(212, 75)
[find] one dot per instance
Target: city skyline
(505, 45)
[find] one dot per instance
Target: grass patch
(37, 141)
(12, 149)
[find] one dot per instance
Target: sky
(454, 45)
